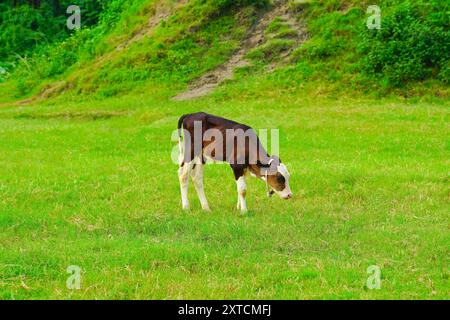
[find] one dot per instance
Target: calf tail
(180, 125)
(180, 142)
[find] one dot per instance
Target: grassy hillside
(139, 44)
(86, 177)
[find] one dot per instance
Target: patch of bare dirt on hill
(162, 11)
(255, 37)
(92, 115)
(46, 92)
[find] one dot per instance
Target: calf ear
(270, 168)
(276, 159)
(262, 165)
(273, 169)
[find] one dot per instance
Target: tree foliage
(24, 25)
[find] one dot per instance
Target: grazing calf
(211, 137)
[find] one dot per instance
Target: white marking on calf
(242, 189)
(194, 169)
(197, 177)
(183, 175)
(282, 169)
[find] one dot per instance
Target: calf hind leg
(183, 175)
(197, 178)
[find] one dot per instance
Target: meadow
(96, 188)
(86, 175)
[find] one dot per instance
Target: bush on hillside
(412, 44)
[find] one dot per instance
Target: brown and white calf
(210, 137)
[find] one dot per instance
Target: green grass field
(87, 180)
(92, 184)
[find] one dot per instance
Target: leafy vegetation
(25, 28)
(411, 46)
(412, 43)
(167, 55)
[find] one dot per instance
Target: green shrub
(412, 44)
(23, 28)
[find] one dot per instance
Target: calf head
(277, 177)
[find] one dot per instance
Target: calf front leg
(183, 175)
(242, 190)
